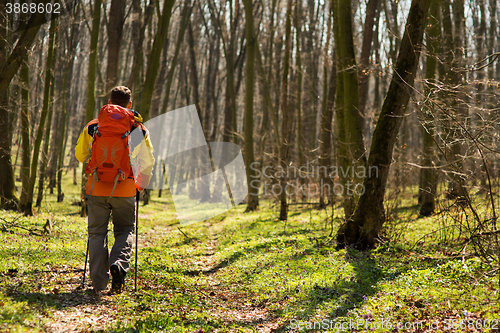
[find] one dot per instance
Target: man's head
(121, 96)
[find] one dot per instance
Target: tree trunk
(298, 28)
(363, 229)
(45, 108)
(211, 85)
(48, 130)
(452, 43)
(428, 173)
(56, 137)
(90, 106)
(253, 194)
(140, 39)
(193, 71)
(25, 136)
(154, 60)
(350, 137)
(8, 199)
(68, 73)
(160, 80)
(28, 35)
(173, 63)
(287, 117)
(326, 123)
(364, 61)
(115, 34)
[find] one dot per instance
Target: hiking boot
(118, 279)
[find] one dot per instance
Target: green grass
(242, 272)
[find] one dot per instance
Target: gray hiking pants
(123, 212)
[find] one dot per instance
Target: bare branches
(7, 226)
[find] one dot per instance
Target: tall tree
(115, 35)
(326, 129)
(251, 38)
(428, 173)
(351, 148)
(193, 71)
(229, 39)
(11, 65)
(363, 228)
(364, 61)
(287, 117)
(8, 197)
(186, 14)
(452, 41)
(154, 59)
(298, 33)
(138, 31)
(72, 43)
(48, 129)
(91, 103)
(25, 135)
(28, 210)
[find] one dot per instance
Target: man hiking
(112, 185)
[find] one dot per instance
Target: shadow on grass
(54, 299)
(349, 293)
(235, 256)
(204, 323)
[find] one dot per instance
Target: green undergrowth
(241, 271)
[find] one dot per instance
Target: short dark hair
(121, 95)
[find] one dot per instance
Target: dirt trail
(83, 311)
(232, 307)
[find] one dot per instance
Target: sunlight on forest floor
(242, 272)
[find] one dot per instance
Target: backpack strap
(94, 176)
(92, 129)
(116, 182)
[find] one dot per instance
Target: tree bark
(452, 42)
(428, 173)
(287, 117)
(251, 38)
(68, 73)
(8, 199)
(364, 61)
(298, 28)
(154, 60)
(48, 130)
(90, 106)
(364, 227)
(25, 135)
(173, 63)
(28, 35)
(350, 137)
(115, 34)
(45, 108)
(136, 64)
(325, 146)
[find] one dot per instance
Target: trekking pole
(136, 236)
(86, 259)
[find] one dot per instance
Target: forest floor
(244, 272)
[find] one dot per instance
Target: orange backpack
(110, 149)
